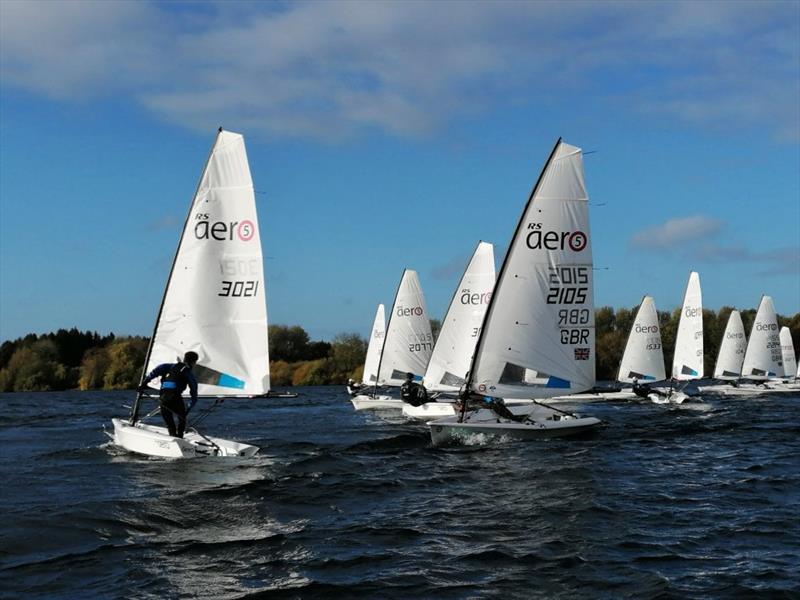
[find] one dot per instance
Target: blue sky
(391, 135)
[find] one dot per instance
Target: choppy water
(699, 501)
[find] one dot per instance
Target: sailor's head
(409, 376)
(190, 358)
(350, 381)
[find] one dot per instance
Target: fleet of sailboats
(505, 348)
(406, 348)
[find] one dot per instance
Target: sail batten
(538, 337)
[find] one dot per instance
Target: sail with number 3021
(214, 304)
(538, 338)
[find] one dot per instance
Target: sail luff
(687, 362)
(731, 349)
(137, 403)
(503, 267)
(643, 357)
(538, 334)
(409, 342)
(452, 353)
(375, 347)
(763, 358)
(787, 352)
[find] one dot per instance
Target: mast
(137, 402)
(386, 335)
(499, 281)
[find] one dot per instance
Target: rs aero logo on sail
(539, 239)
(408, 312)
(222, 231)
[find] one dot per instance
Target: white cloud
(694, 239)
(332, 69)
(670, 234)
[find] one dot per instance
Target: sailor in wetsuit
(476, 401)
(175, 377)
(641, 389)
(413, 393)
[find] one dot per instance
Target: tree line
(73, 359)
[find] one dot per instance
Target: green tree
(348, 352)
(126, 360)
(312, 372)
(93, 368)
(280, 373)
(287, 343)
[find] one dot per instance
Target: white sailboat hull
(673, 398)
(363, 402)
(156, 441)
(429, 411)
(542, 423)
(571, 398)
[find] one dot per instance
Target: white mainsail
(538, 337)
(409, 341)
(763, 358)
(375, 347)
(731, 350)
(215, 299)
(643, 359)
(447, 369)
(787, 351)
(687, 362)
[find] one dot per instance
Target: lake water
(696, 501)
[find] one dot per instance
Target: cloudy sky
(386, 135)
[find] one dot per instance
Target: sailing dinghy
(369, 378)
(643, 358)
(763, 359)
(687, 362)
(730, 358)
(407, 345)
(214, 303)
(447, 369)
(537, 338)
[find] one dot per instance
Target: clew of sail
(787, 352)
(687, 362)
(409, 341)
(731, 350)
(375, 347)
(538, 337)
(763, 358)
(643, 359)
(455, 345)
(215, 299)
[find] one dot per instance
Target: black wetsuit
(413, 393)
(174, 379)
